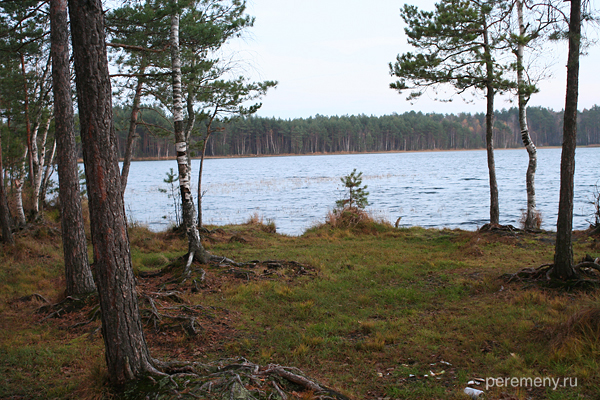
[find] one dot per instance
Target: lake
(430, 189)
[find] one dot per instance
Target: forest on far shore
(409, 131)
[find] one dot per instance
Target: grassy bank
(376, 312)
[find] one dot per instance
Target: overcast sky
(331, 58)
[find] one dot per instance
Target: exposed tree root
(499, 228)
(232, 379)
(587, 274)
(158, 319)
(34, 296)
(67, 305)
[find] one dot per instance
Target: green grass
(376, 308)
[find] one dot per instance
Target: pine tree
(456, 45)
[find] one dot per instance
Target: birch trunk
(38, 155)
(563, 253)
(21, 220)
(187, 203)
(49, 170)
(531, 220)
(38, 167)
(27, 119)
(127, 354)
(78, 274)
(489, 135)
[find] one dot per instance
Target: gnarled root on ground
(235, 379)
(587, 272)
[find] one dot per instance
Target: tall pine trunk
(187, 202)
(5, 218)
(489, 131)
(127, 354)
(78, 273)
(563, 253)
(531, 220)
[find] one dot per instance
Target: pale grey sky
(331, 58)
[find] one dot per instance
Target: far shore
(342, 153)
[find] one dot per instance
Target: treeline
(398, 132)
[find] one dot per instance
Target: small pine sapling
(174, 194)
(357, 195)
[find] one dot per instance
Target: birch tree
(195, 248)
(457, 44)
(25, 31)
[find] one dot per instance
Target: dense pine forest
(410, 131)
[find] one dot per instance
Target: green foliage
(173, 193)
(454, 45)
(357, 195)
(140, 36)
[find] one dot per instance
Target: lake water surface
(428, 189)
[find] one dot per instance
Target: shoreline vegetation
(344, 153)
(370, 310)
(410, 131)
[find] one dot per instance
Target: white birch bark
(39, 163)
(21, 220)
(187, 203)
(38, 155)
(531, 222)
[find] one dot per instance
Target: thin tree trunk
(27, 120)
(563, 254)
(78, 274)
(201, 169)
(531, 222)
(489, 135)
(187, 203)
(19, 182)
(39, 162)
(127, 354)
(131, 136)
(5, 218)
(37, 156)
(48, 173)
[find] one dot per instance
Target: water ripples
(432, 189)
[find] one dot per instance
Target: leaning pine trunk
(127, 354)
(563, 253)
(187, 202)
(131, 136)
(78, 274)
(531, 220)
